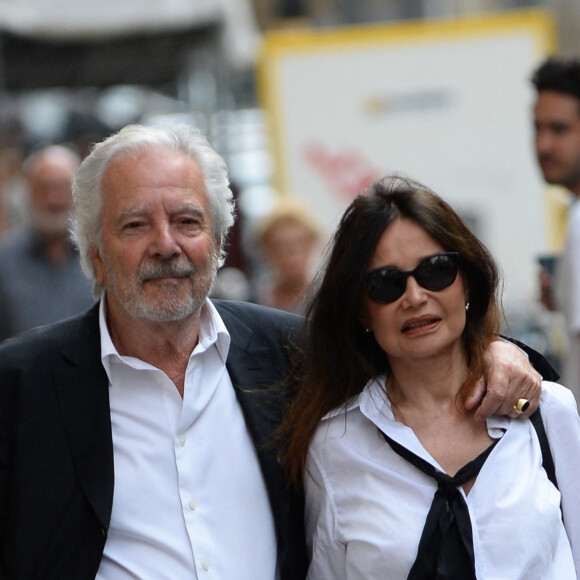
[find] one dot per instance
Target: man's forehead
(558, 102)
(169, 206)
(160, 153)
(153, 168)
(132, 189)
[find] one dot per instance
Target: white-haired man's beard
(150, 295)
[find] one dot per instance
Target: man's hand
(508, 376)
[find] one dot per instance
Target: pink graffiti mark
(347, 173)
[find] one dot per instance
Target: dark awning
(101, 43)
(142, 59)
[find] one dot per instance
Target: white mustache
(181, 268)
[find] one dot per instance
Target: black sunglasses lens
(386, 285)
(437, 272)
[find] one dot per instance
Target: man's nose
(543, 141)
(164, 243)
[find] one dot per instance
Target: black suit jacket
(56, 452)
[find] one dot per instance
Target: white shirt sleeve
(562, 424)
(568, 272)
(328, 557)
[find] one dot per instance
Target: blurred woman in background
(288, 239)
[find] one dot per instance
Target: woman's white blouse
(366, 506)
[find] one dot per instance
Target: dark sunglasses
(437, 272)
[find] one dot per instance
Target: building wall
(289, 13)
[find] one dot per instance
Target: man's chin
(168, 313)
(166, 281)
(166, 293)
(551, 174)
(167, 307)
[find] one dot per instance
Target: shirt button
(192, 505)
(182, 440)
(205, 566)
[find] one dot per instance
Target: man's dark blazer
(56, 453)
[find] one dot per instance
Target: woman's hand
(508, 376)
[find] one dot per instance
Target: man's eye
(132, 225)
(560, 129)
(189, 222)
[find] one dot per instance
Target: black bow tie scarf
(446, 546)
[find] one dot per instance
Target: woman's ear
(364, 319)
(465, 289)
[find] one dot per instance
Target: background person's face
(157, 259)
(557, 138)
(289, 247)
(50, 189)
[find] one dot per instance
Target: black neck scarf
(446, 545)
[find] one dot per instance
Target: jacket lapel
(82, 390)
(254, 373)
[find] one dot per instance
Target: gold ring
(521, 406)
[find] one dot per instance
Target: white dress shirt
(189, 499)
(366, 506)
(567, 295)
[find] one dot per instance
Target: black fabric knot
(447, 488)
(446, 546)
(447, 494)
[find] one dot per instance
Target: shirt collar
(376, 406)
(360, 399)
(212, 330)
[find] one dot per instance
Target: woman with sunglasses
(400, 480)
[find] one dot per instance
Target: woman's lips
(421, 323)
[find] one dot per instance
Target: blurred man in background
(557, 140)
(41, 280)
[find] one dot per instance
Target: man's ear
(217, 247)
(98, 263)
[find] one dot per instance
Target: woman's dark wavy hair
(338, 357)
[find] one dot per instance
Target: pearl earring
(467, 307)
